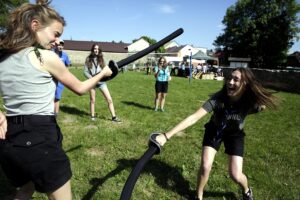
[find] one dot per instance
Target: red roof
(114, 47)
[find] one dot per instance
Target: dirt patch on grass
(68, 119)
(91, 127)
(95, 152)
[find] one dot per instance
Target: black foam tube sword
(154, 148)
(115, 66)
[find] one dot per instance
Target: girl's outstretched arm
(187, 122)
(56, 67)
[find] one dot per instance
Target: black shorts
(233, 143)
(32, 151)
(161, 86)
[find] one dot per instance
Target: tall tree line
(263, 30)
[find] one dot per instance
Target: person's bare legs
(109, 100)
(25, 192)
(207, 159)
(92, 102)
(157, 97)
(162, 101)
(62, 193)
(236, 172)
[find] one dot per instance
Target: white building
(171, 44)
(138, 45)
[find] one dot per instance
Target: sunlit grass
(103, 154)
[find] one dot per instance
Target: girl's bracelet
(166, 136)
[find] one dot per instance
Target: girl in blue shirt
(162, 75)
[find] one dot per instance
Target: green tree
(6, 6)
(151, 41)
(263, 30)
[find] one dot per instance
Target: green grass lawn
(103, 153)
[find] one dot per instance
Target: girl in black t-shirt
(240, 96)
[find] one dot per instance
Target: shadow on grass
(138, 105)
(163, 174)
(226, 195)
(166, 176)
(73, 110)
(73, 149)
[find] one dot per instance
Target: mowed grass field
(103, 153)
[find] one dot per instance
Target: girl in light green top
(29, 71)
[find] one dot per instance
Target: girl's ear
(35, 24)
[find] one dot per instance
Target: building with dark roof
(111, 47)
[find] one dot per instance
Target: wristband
(166, 136)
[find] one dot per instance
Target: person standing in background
(93, 65)
(162, 75)
(60, 87)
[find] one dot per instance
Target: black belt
(30, 118)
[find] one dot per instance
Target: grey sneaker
(248, 195)
(116, 120)
(93, 118)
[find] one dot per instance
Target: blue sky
(125, 20)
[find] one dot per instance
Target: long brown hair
(99, 57)
(254, 94)
(165, 61)
(18, 34)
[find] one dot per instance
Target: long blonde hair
(19, 34)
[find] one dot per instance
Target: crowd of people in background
(183, 69)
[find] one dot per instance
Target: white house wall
(138, 45)
(171, 44)
(78, 57)
(186, 51)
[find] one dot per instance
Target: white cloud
(166, 9)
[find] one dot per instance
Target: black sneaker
(248, 195)
(116, 120)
